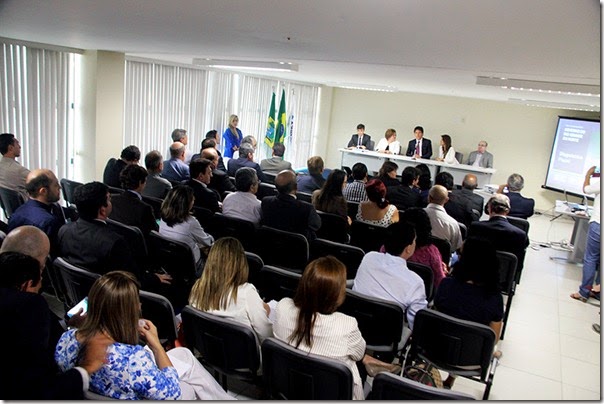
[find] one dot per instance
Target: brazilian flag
(281, 120)
(270, 126)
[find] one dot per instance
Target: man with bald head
(41, 210)
(466, 196)
(220, 180)
(285, 212)
(175, 169)
(443, 225)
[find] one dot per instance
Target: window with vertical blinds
(37, 94)
(160, 98)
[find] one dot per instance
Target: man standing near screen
(591, 260)
(419, 147)
(481, 157)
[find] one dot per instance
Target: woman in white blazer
(389, 144)
(446, 152)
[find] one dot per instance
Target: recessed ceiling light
(247, 64)
(549, 87)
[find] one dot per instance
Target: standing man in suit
(201, 175)
(481, 157)
(276, 164)
(128, 207)
(419, 147)
(519, 205)
(285, 212)
(361, 139)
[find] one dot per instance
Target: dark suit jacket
(354, 140)
(92, 245)
(236, 164)
(111, 175)
(130, 210)
(309, 183)
(390, 182)
(521, 206)
(204, 197)
(31, 332)
(467, 197)
(426, 148)
(504, 236)
(221, 183)
(403, 197)
(284, 212)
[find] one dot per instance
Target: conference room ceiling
(419, 46)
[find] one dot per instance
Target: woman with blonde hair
(310, 321)
(223, 289)
(388, 144)
(377, 210)
(446, 152)
(178, 224)
(133, 372)
(232, 136)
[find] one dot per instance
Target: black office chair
(115, 190)
(353, 208)
(383, 324)
(266, 189)
(333, 227)
(277, 283)
(368, 237)
(463, 229)
(226, 346)
(224, 226)
(292, 374)
(270, 177)
(519, 222)
(205, 217)
(424, 272)
(255, 265)
(371, 145)
(350, 255)
(304, 196)
(135, 239)
(10, 200)
(281, 248)
(68, 187)
(155, 204)
(175, 258)
(76, 281)
(444, 247)
(507, 282)
(387, 386)
(459, 157)
(159, 310)
(460, 347)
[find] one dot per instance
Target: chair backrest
(507, 272)
(205, 217)
(368, 237)
(155, 204)
(424, 272)
(333, 227)
(255, 265)
(225, 345)
(304, 196)
(281, 248)
(353, 208)
(224, 226)
(292, 374)
(387, 386)
(270, 177)
(115, 190)
(459, 157)
(350, 255)
(10, 200)
(444, 247)
(277, 283)
(371, 145)
(68, 187)
(381, 322)
(175, 257)
(266, 189)
(463, 230)
(519, 222)
(159, 310)
(76, 281)
(135, 239)
(463, 347)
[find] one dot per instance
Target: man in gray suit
(276, 164)
(481, 157)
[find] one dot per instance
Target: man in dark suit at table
(361, 139)
(519, 205)
(285, 212)
(419, 147)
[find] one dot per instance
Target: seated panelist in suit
(360, 140)
(129, 208)
(201, 175)
(419, 147)
(481, 157)
(285, 212)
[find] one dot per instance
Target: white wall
(519, 137)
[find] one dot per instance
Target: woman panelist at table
(389, 144)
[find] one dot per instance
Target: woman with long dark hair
(377, 210)
(387, 174)
(446, 152)
(329, 198)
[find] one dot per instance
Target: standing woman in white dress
(389, 144)
(446, 152)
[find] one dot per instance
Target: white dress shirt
(387, 277)
(394, 147)
(443, 225)
(594, 188)
(478, 160)
(242, 205)
(449, 158)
